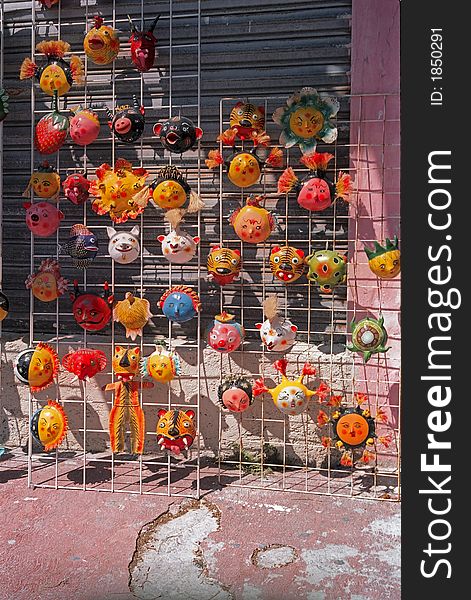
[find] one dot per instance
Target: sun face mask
(81, 246)
(287, 263)
(353, 429)
(124, 246)
(252, 223)
(127, 122)
(178, 247)
(277, 334)
(143, 46)
(235, 393)
(84, 363)
(101, 44)
(385, 261)
(37, 367)
(369, 336)
(290, 396)
(327, 269)
(225, 334)
(43, 219)
(178, 134)
(133, 314)
(49, 425)
(84, 126)
(91, 311)
(315, 192)
(223, 265)
(180, 303)
(116, 190)
(47, 284)
(176, 430)
(57, 75)
(45, 182)
(306, 119)
(162, 365)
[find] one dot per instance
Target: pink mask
(315, 194)
(43, 219)
(84, 126)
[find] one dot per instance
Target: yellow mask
(49, 425)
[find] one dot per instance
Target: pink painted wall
(375, 162)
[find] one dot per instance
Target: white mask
(124, 246)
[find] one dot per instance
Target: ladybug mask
(143, 45)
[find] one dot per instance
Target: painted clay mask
(369, 336)
(116, 191)
(306, 119)
(327, 269)
(76, 188)
(37, 367)
(277, 334)
(244, 168)
(226, 334)
(353, 429)
(127, 122)
(51, 130)
(178, 247)
(162, 365)
(252, 223)
(287, 263)
(133, 314)
(247, 120)
(385, 261)
(126, 362)
(223, 265)
(49, 425)
(180, 303)
(45, 182)
(178, 134)
(84, 126)
(171, 190)
(176, 430)
(290, 396)
(81, 246)
(43, 219)
(235, 393)
(101, 44)
(84, 363)
(315, 192)
(57, 75)
(49, 3)
(47, 284)
(4, 106)
(124, 246)
(143, 45)
(91, 311)
(4, 306)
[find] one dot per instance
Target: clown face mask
(235, 393)
(91, 311)
(180, 303)
(49, 425)
(37, 367)
(45, 182)
(47, 284)
(176, 430)
(226, 334)
(162, 365)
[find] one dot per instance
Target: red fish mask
(143, 45)
(84, 363)
(91, 311)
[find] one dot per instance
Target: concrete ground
(235, 543)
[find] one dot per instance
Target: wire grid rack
(260, 448)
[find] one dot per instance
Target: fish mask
(124, 246)
(133, 314)
(81, 246)
(84, 126)
(235, 393)
(43, 219)
(47, 284)
(178, 134)
(176, 430)
(252, 223)
(162, 365)
(327, 268)
(76, 188)
(84, 363)
(101, 44)
(45, 182)
(49, 425)
(287, 263)
(226, 334)
(127, 122)
(180, 303)
(37, 367)
(91, 311)
(143, 45)
(223, 265)
(57, 75)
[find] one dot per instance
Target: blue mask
(178, 307)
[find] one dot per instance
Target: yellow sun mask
(49, 425)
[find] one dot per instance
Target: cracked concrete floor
(235, 543)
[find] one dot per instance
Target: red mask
(315, 194)
(143, 45)
(91, 311)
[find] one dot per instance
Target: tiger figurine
(223, 265)
(287, 263)
(175, 430)
(246, 120)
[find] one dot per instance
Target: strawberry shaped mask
(51, 130)
(143, 45)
